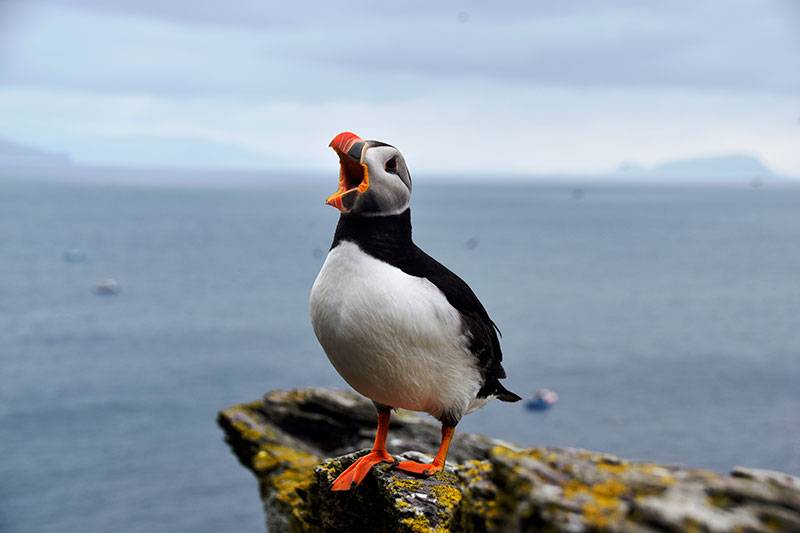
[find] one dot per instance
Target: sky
(459, 87)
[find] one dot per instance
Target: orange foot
(357, 471)
(413, 467)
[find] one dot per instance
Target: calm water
(668, 319)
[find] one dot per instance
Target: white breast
(393, 337)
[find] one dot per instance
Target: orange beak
(353, 172)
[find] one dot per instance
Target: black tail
(505, 395)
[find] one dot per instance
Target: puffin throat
(353, 171)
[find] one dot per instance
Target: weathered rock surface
(293, 442)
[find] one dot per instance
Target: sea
(666, 317)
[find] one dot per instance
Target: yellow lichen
(594, 515)
(420, 524)
(604, 505)
(447, 496)
(667, 480)
(490, 509)
(245, 430)
(286, 473)
(286, 485)
(613, 468)
(404, 484)
(536, 453)
(401, 504)
(251, 406)
(573, 488)
(444, 476)
(504, 451)
(264, 461)
(249, 423)
(610, 488)
(274, 456)
(473, 470)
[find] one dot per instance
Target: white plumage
(393, 337)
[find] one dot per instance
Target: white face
(389, 190)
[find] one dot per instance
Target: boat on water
(106, 287)
(542, 400)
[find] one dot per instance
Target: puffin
(396, 324)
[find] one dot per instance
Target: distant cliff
(293, 440)
(15, 156)
(734, 168)
(722, 166)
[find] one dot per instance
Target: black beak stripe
(355, 151)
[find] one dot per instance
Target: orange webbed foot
(420, 469)
(357, 471)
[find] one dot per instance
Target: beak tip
(343, 141)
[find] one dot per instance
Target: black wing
(480, 328)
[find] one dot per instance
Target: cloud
(349, 50)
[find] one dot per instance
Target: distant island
(15, 155)
(730, 167)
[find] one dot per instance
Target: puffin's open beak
(353, 173)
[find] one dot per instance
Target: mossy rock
(297, 442)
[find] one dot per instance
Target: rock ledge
(297, 442)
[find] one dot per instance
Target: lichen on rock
(297, 442)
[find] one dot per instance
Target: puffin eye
(391, 165)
